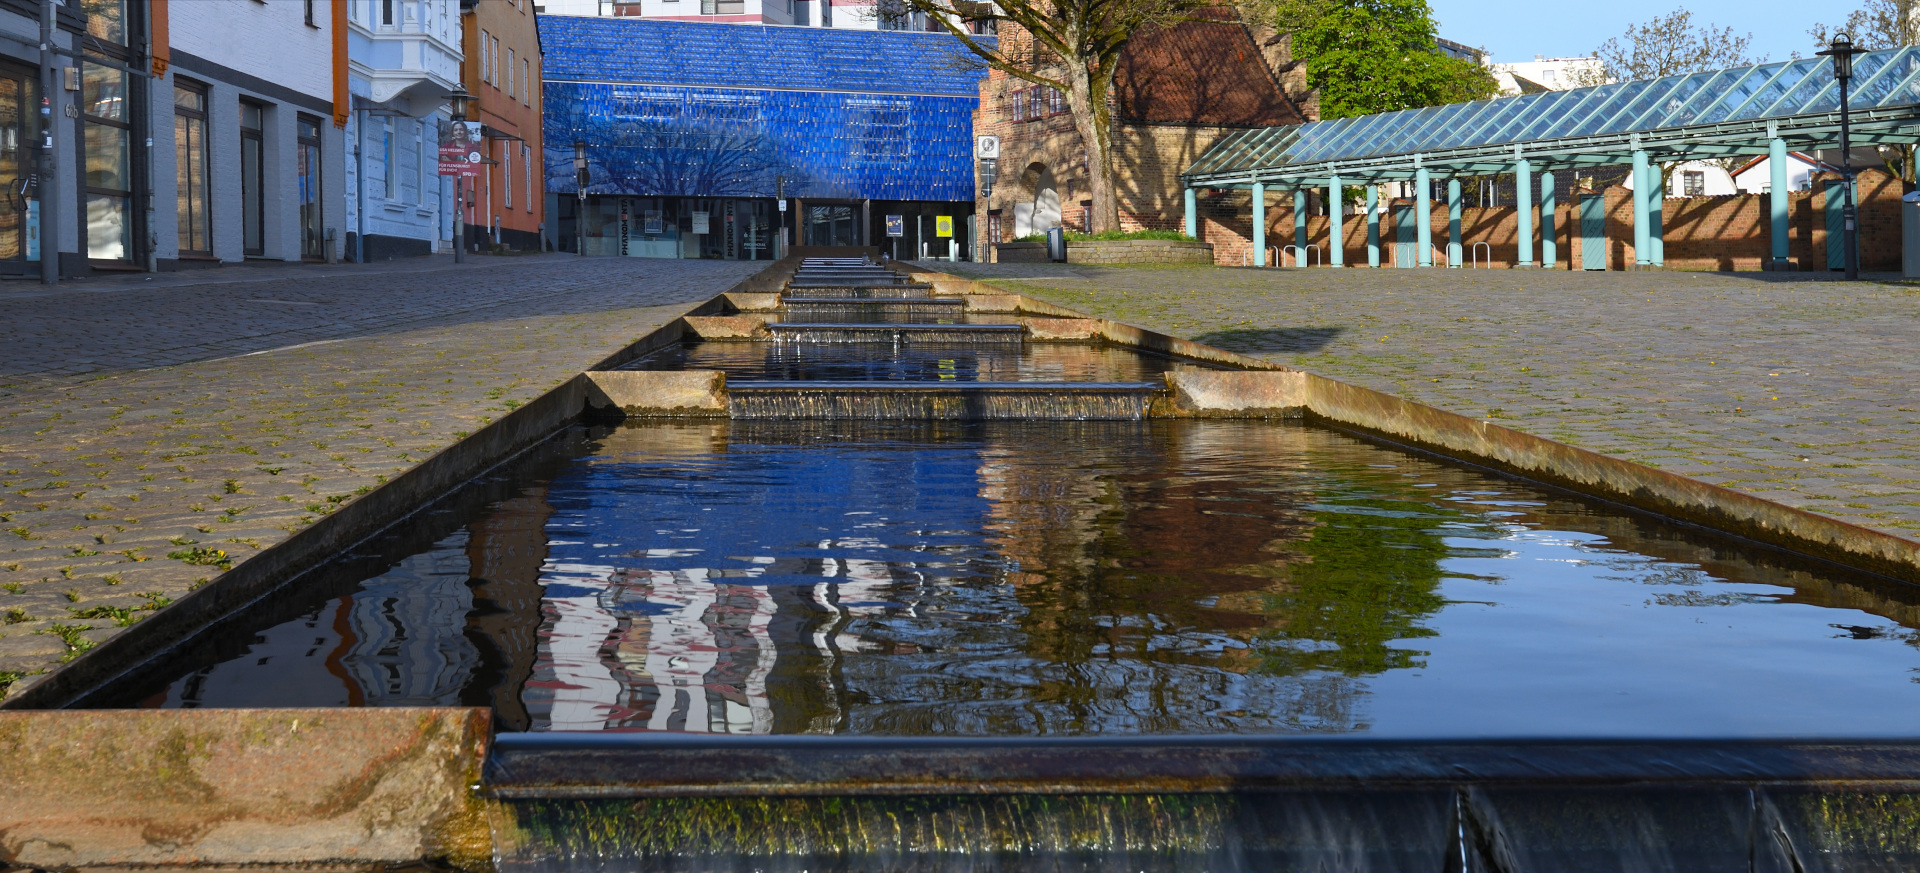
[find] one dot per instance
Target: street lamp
(580, 179)
(1842, 51)
(457, 103)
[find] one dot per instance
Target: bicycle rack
(1246, 256)
(1476, 255)
(1318, 258)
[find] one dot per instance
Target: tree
(1877, 26)
(1072, 46)
(1671, 45)
(1367, 56)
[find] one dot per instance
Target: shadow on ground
(1272, 339)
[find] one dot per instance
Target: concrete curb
(243, 786)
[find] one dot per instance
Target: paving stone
(1650, 367)
(144, 419)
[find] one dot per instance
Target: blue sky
(1516, 31)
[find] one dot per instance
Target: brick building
(1177, 90)
(506, 206)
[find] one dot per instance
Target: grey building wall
(280, 164)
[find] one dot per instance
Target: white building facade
(254, 166)
(403, 61)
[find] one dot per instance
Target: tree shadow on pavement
(1272, 339)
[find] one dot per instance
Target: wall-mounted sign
(896, 225)
(943, 225)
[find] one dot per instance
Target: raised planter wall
(1112, 251)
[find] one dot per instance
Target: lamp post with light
(457, 103)
(1842, 51)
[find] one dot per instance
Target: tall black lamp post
(457, 103)
(580, 179)
(1842, 51)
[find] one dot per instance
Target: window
(526, 81)
(388, 166)
(190, 162)
(526, 169)
(108, 184)
(253, 204)
(1693, 183)
(312, 216)
(421, 162)
(486, 69)
(310, 21)
(386, 12)
(511, 72)
(494, 59)
(1056, 102)
(506, 177)
(106, 20)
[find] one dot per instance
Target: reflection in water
(1078, 578)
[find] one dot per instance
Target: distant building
(1547, 74)
(1457, 49)
(689, 151)
(1178, 89)
(502, 71)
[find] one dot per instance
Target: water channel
(888, 576)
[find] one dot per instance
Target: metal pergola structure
(1760, 109)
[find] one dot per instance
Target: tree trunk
(1093, 119)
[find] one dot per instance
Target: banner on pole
(460, 149)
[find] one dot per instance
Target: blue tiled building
(691, 131)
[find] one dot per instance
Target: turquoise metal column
(1259, 224)
(1193, 215)
(1523, 211)
(1336, 235)
(1423, 213)
(1777, 201)
(1656, 210)
(1373, 224)
(1549, 246)
(1300, 226)
(1640, 225)
(1453, 224)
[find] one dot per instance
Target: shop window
(253, 204)
(307, 169)
(107, 145)
(1693, 183)
(190, 163)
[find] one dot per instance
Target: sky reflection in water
(1021, 579)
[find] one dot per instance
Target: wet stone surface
(154, 432)
(1797, 389)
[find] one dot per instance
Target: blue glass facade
(680, 109)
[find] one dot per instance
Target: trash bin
(1057, 244)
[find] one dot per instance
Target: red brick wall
(1700, 233)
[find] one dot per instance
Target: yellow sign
(943, 225)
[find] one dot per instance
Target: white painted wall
(270, 40)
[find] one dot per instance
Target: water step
(857, 309)
(951, 401)
(899, 334)
(859, 291)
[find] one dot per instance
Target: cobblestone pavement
(1795, 389)
(153, 432)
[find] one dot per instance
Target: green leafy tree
(1367, 56)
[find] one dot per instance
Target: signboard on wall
(460, 143)
(700, 221)
(896, 225)
(943, 225)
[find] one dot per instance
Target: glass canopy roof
(1713, 113)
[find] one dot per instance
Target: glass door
(17, 137)
(313, 239)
